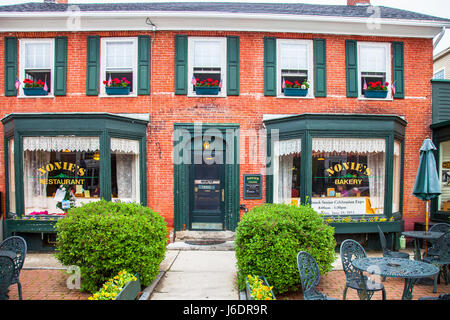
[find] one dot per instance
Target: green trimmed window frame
(309, 126)
(102, 125)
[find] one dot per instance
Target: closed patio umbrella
(427, 185)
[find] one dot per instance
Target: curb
(147, 292)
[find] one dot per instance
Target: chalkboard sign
(252, 186)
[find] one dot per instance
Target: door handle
(223, 195)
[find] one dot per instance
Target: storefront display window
(444, 171)
(287, 156)
(59, 173)
(396, 180)
(11, 175)
(348, 176)
(125, 170)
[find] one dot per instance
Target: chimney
(358, 2)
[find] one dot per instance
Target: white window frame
(310, 61)
(438, 71)
(22, 43)
(223, 65)
(104, 41)
(387, 46)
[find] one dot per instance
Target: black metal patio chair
(438, 227)
(19, 246)
(310, 277)
(387, 252)
(349, 251)
(6, 276)
(441, 258)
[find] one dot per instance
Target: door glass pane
(60, 173)
(125, 170)
(348, 176)
(207, 187)
(444, 169)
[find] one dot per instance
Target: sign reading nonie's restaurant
(61, 178)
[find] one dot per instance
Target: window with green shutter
(351, 63)
(10, 66)
(398, 66)
(60, 66)
(144, 52)
(270, 66)
(92, 65)
(232, 65)
(320, 68)
(180, 64)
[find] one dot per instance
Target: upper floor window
(119, 61)
(37, 62)
(374, 65)
(440, 74)
(295, 65)
(207, 61)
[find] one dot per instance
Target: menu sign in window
(252, 186)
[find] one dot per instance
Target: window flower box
(38, 91)
(259, 287)
(207, 91)
(376, 90)
(124, 286)
(114, 87)
(295, 89)
(207, 86)
(32, 88)
(295, 92)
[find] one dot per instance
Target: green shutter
(232, 66)
(398, 67)
(10, 66)
(144, 65)
(351, 62)
(60, 66)
(320, 68)
(270, 66)
(92, 65)
(180, 64)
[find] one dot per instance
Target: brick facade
(246, 109)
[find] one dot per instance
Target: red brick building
(348, 154)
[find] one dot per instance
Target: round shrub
(103, 238)
(269, 237)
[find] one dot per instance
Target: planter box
(295, 92)
(131, 290)
(115, 91)
(35, 91)
(367, 227)
(210, 91)
(247, 288)
(378, 94)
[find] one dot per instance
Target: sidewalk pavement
(186, 274)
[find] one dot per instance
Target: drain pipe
(439, 38)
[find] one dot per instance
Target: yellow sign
(355, 166)
(58, 165)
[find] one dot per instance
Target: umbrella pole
(426, 226)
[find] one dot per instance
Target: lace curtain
(127, 168)
(284, 151)
(59, 143)
(348, 145)
(375, 161)
(35, 193)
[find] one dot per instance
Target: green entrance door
(207, 186)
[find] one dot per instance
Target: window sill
(206, 96)
(131, 95)
(376, 99)
(295, 97)
(35, 97)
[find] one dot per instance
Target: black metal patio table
(417, 235)
(410, 270)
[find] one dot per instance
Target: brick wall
(246, 109)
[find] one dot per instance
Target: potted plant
(32, 88)
(376, 90)
(207, 87)
(124, 286)
(296, 88)
(257, 288)
(117, 86)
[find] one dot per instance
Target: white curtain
(348, 145)
(37, 55)
(372, 59)
(35, 193)
(59, 143)
(119, 55)
(294, 56)
(207, 53)
(285, 178)
(127, 168)
(375, 161)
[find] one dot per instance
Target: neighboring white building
(441, 65)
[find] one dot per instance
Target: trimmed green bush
(269, 237)
(103, 238)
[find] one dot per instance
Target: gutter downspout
(439, 38)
